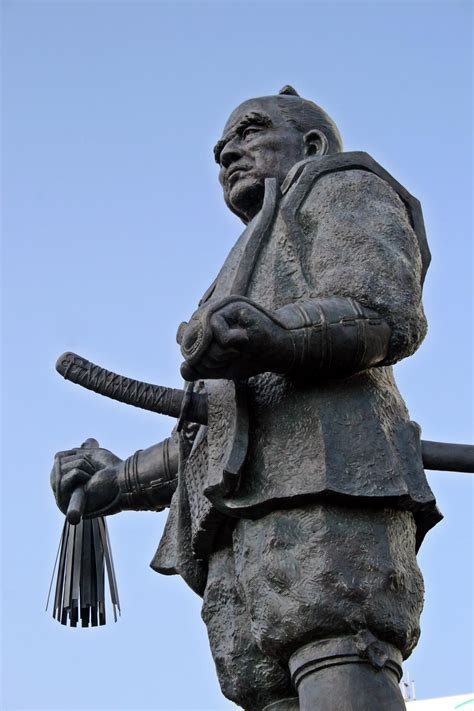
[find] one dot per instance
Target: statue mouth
(234, 174)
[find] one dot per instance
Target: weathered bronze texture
(294, 479)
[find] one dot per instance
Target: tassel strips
(84, 558)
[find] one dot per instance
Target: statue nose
(230, 154)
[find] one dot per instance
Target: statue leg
(327, 572)
(339, 674)
(247, 676)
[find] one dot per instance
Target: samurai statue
(296, 512)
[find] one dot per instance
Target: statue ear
(316, 143)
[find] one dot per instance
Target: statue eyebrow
(253, 118)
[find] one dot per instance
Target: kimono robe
(338, 226)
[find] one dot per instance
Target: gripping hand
(233, 338)
(95, 469)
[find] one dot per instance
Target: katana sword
(156, 398)
(441, 456)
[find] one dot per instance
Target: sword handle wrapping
(165, 401)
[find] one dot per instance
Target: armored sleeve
(334, 336)
(364, 267)
(148, 478)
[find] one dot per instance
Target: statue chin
(245, 198)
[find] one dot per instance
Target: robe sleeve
(360, 244)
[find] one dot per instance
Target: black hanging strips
(84, 557)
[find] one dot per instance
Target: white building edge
(462, 702)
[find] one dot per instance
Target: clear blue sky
(113, 226)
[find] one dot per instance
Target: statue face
(258, 142)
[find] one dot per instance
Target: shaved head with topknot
(306, 115)
(265, 137)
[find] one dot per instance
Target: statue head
(264, 138)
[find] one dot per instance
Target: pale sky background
(113, 227)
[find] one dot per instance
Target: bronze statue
(294, 478)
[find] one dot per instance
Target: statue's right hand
(95, 469)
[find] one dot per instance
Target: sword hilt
(156, 398)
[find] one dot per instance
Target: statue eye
(248, 131)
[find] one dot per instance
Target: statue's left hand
(234, 338)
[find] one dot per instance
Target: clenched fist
(234, 338)
(95, 469)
